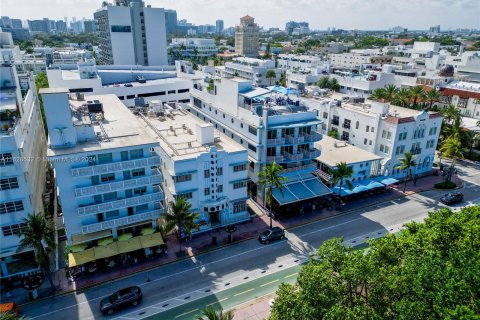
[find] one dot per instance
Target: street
(246, 270)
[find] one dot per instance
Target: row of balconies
(118, 185)
(115, 223)
(156, 195)
(300, 155)
(115, 166)
(301, 138)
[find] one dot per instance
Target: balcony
(335, 122)
(311, 154)
(277, 141)
(107, 225)
(119, 204)
(119, 185)
(275, 158)
(299, 168)
(415, 151)
(115, 166)
(295, 140)
(322, 174)
(312, 137)
(293, 157)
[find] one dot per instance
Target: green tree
(334, 85)
(333, 134)
(180, 219)
(270, 178)
(390, 91)
(402, 98)
(432, 96)
(407, 163)
(324, 82)
(267, 54)
(270, 75)
(340, 173)
(378, 94)
(452, 148)
(38, 232)
(427, 271)
(210, 313)
(417, 94)
(41, 81)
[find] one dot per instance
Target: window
(325, 115)
(368, 129)
(400, 150)
(11, 206)
(220, 171)
(365, 141)
(186, 195)
(142, 207)
(13, 229)
(220, 188)
(110, 196)
(382, 148)
(387, 149)
(197, 102)
(182, 178)
(357, 124)
(373, 129)
(105, 158)
(183, 90)
(370, 142)
(430, 144)
(6, 159)
(112, 214)
(206, 173)
(138, 172)
(251, 147)
(239, 206)
(240, 167)
(171, 91)
(432, 131)
(132, 96)
(402, 136)
(8, 183)
(239, 184)
(121, 29)
(335, 120)
(252, 130)
(124, 155)
(107, 177)
(206, 191)
(126, 175)
(136, 154)
(141, 190)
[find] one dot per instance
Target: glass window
(11, 206)
(183, 177)
(105, 158)
(206, 173)
(252, 130)
(8, 183)
(142, 207)
(138, 172)
(240, 167)
(107, 177)
(110, 196)
(139, 191)
(112, 214)
(124, 155)
(137, 153)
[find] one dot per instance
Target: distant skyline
(340, 14)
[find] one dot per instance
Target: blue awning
(345, 191)
(386, 180)
(300, 190)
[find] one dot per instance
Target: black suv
(452, 198)
(131, 296)
(268, 235)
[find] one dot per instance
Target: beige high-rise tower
(246, 37)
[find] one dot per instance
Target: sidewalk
(258, 309)
(203, 242)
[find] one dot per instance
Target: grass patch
(445, 185)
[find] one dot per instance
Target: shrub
(445, 185)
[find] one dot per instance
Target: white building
(22, 167)
(187, 48)
(200, 164)
(385, 130)
(463, 95)
(252, 69)
(271, 126)
(106, 171)
(126, 82)
(132, 35)
(298, 62)
(355, 60)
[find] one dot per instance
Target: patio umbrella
(105, 241)
(78, 247)
(147, 231)
(125, 237)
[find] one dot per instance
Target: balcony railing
(119, 204)
(115, 166)
(276, 141)
(107, 225)
(322, 174)
(295, 140)
(293, 157)
(312, 137)
(275, 158)
(314, 153)
(119, 185)
(299, 168)
(415, 151)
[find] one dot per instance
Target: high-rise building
(16, 23)
(61, 26)
(132, 34)
(219, 26)
(171, 20)
(298, 27)
(22, 181)
(39, 25)
(89, 26)
(5, 22)
(77, 26)
(246, 37)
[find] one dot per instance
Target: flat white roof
(334, 151)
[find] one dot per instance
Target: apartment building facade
(252, 69)
(246, 37)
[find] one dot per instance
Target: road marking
(221, 300)
(184, 314)
(237, 294)
(291, 275)
(266, 284)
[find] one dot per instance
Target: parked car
(269, 235)
(128, 85)
(452, 198)
(130, 296)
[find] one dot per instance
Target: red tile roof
(396, 120)
(247, 17)
(461, 93)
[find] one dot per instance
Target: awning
(375, 184)
(78, 258)
(80, 238)
(386, 181)
(125, 237)
(300, 190)
(78, 247)
(151, 240)
(146, 231)
(345, 190)
(129, 245)
(105, 241)
(107, 251)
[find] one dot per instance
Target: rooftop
(335, 151)
(118, 129)
(177, 134)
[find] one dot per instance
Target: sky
(321, 14)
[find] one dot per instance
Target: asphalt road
(220, 274)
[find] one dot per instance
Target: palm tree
(378, 94)
(37, 232)
(334, 85)
(324, 82)
(270, 75)
(453, 149)
(407, 163)
(390, 92)
(402, 98)
(450, 113)
(195, 53)
(342, 172)
(210, 313)
(417, 93)
(180, 219)
(270, 178)
(432, 96)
